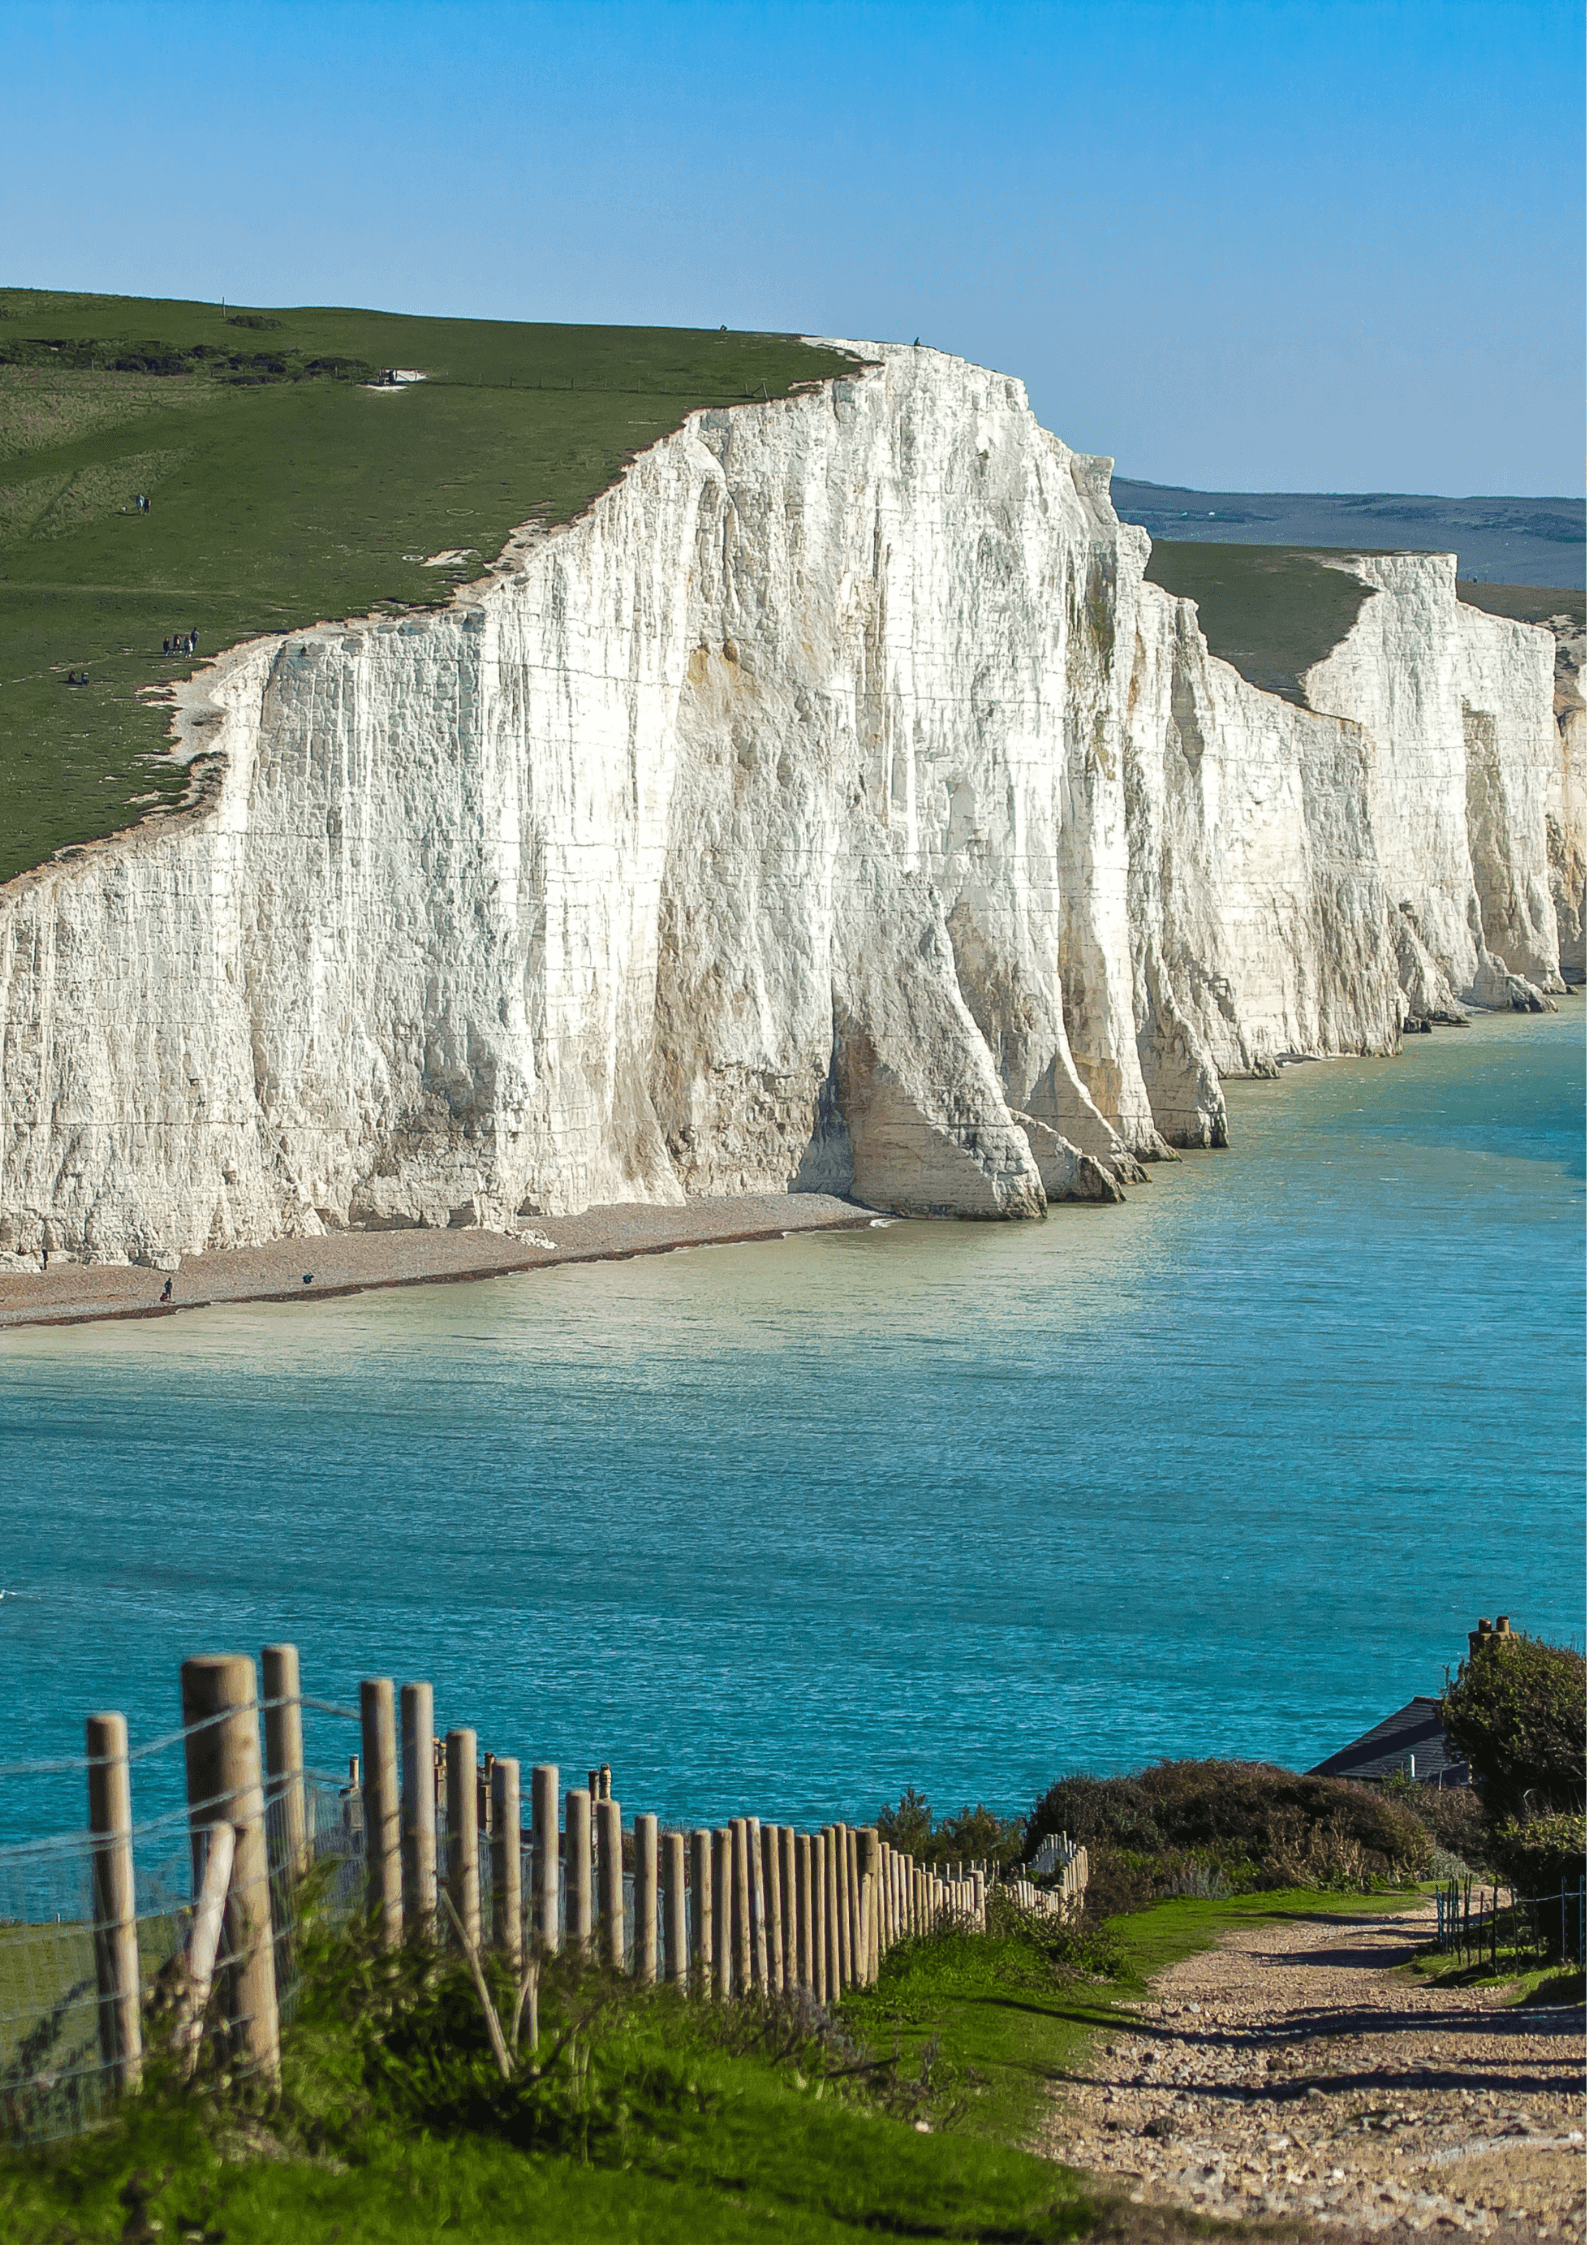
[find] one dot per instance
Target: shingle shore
(352, 1262)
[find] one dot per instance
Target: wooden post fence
(646, 1866)
(743, 1934)
(771, 1898)
(544, 1782)
(284, 1797)
(701, 1958)
(722, 1910)
(419, 1900)
(749, 1907)
(609, 1818)
(788, 1849)
(382, 1809)
(117, 1972)
(675, 1944)
(506, 1861)
(462, 1832)
(576, 1868)
(225, 1784)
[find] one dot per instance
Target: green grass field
(1526, 604)
(277, 502)
(1273, 611)
(687, 2126)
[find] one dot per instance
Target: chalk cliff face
(833, 806)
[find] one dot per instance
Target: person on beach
(166, 1294)
(44, 1257)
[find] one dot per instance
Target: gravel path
(351, 1262)
(1293, 2072)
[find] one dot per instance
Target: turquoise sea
(1230, 1469)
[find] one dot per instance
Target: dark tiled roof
(1388, 1746)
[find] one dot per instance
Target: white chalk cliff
(833, 805)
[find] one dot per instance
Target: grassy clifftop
(282, 490)
(1271, 611)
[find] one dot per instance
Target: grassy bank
(904, 2119)
(282, 490)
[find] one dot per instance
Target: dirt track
(1294, 2072)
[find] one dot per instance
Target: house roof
(1388, 1746)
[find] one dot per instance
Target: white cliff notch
(832, 806)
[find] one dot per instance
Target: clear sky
(1332, 245)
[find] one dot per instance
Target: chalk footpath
(351, 1262)
(1299, 2072)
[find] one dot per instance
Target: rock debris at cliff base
(833, 807)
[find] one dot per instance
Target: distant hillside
(285, 486)
(1508, 541)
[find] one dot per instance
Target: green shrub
(969, 1835)
(1539, 1854)
(1206, 1827)
(1518, 1712)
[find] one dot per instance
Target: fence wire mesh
(76, 1997)
(55, 2077)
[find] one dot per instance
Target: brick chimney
(1487, 1633)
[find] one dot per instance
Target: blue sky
(1321, 246)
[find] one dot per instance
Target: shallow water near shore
(786, 1527)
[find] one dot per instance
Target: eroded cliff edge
(833, 805)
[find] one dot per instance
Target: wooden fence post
(382, 1810)
(545, 1781)
(804, 1916)
(506, 1860)
(722, 1911)
(117, 1971)
(789, 1849)
(285, 1805)
(462, 1832)
(675, 1944)
(418, 1812)
(831, 1912)
(771, 1899)
(646, 1864)
(703, 1963)
(820, 1958)
(609, 1817)
(576, 1868)
(225, 1784)
(743, 1931)
(756, 1867)
(840, 1835)
(851, 1847)
(870, 1870)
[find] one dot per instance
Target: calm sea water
(1230, 1469)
